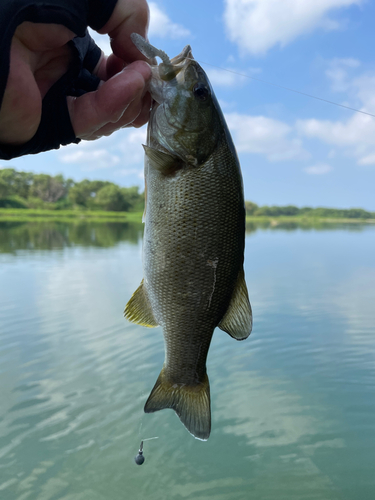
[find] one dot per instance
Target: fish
(194, 236)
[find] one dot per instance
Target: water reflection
(51, 235)
(292, 406)
(54, 235)
(304, 225)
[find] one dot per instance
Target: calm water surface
(293, 406)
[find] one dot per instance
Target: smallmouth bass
(193, 247)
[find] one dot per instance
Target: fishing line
(287, 88)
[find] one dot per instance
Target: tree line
(28, 190)
(254, 210)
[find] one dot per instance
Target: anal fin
(238, 319)
(138, 309)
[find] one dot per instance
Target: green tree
(13, 183)
(112, 198)
(83, 193)
(289, 210)
(358, 213)
(277, 211)
(4, 188)
(250, 207)
(50, 189)
(134, 198)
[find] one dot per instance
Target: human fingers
(42, 37)
(144, 113)
(129, 16)
(108, 66)
(21, 107)
(136, 115)
(112, 104)
(39, 56)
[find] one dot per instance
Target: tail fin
(191, 403)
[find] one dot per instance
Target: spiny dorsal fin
(191, 403)
(138, 309)
(238, 320)
(163, 162)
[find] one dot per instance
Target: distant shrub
(13, 202)
(277, 211)
(250, 207)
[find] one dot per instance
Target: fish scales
(190, 244)
(193, 243)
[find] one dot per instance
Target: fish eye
(201, 91)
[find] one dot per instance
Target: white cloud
(132, 171)
(121, 148)
(258, 25)
(337, 72)
(355, 135)
(364, 86)
(130, 145)
(95, 159)
(338, 133)
(266, 136)
(367, 160)
(162, 26)
(318, 169)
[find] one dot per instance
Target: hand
(40, 56)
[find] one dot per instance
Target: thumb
(115, 104)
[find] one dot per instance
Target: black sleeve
(55, 128)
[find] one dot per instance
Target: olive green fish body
(192, 249)
(193, 253)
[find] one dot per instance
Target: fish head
(186, 120)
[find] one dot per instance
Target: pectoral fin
(238, 320)
(138, 309)
(163, 162)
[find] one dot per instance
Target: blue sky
(293, 149)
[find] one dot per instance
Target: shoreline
(29, 215)
(303, 219)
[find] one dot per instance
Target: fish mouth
(182, 56)
(169, 70)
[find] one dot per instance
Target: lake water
(293, 406)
